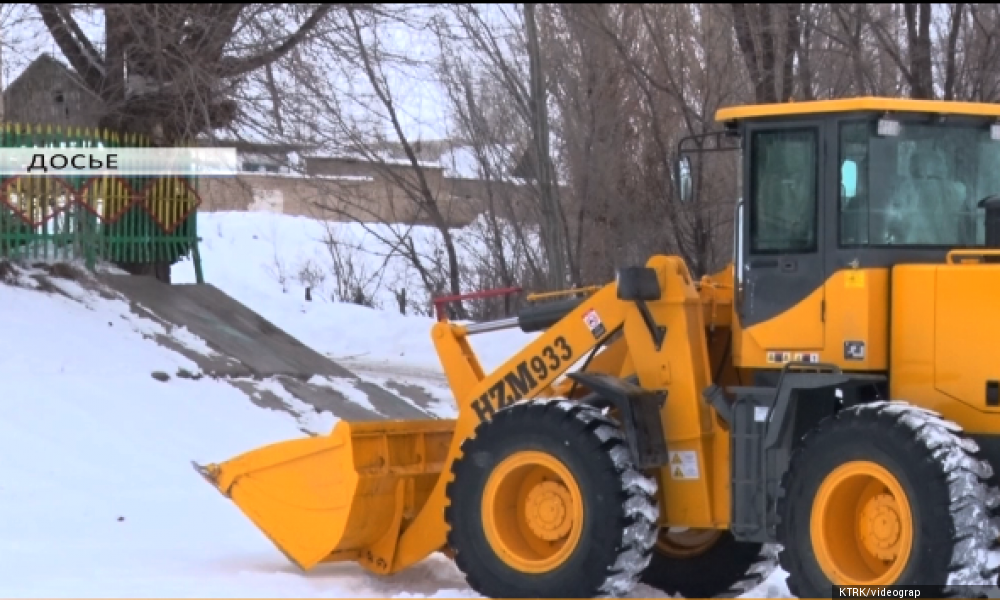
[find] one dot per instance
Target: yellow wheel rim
(532, 512)
(686, 543)
(861, 525)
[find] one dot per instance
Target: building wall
(505, 199)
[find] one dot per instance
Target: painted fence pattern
(124, 220)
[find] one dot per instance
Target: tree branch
(74, 44)
(792, 40)
(233, 67)
(950, 59)
(767, 58)
(212, 38)
(744, 36)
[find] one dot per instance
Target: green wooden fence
(127, 221)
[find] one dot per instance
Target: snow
(346, 387)
(98, 494)
(280, 255)
(308, 420)
(96, 487)
(462, 162)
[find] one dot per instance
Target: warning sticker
(808, 357)
(780, 357)
(594, 323)
(854, 279)
(684, 464)
(854, 350)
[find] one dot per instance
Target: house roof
(46, 59)
(374, 158)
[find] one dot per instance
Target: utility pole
(3, 105)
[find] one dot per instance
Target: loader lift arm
(534, 370)
(644, 304)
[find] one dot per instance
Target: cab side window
(783, 204)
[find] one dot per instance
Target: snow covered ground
(96, 489)
(266, 261)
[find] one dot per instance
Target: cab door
(781, 301)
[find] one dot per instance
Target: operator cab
(834, 193)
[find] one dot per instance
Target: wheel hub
(532, 511)
(547, 510)
(879, 527)
(862, 525)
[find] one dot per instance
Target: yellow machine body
(943, 325)
(929, 325)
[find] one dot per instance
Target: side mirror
(684, 182)
(849, 178)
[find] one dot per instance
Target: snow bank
(96, 487)
(264, 260)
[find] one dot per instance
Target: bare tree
(982, 49)
(769, 41)
(487, 141)
(542, 170)
(344, 89)
(503, 40)
(681, 67)
(595, 99)
(164, 68)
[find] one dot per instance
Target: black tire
(938, 469)
(620, 509)
(728, 568)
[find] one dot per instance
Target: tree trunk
(551, 229)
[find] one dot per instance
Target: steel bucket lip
(208, 472)
(344, 499)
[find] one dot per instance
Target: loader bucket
(342, 496)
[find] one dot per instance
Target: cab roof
(869, 103)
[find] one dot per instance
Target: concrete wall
(343, 198)
(340, 189)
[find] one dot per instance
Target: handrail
(972, 253)
(440, 301)
(557, 294)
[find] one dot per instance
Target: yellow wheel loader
(833, 394)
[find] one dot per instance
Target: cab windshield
(919, 188)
